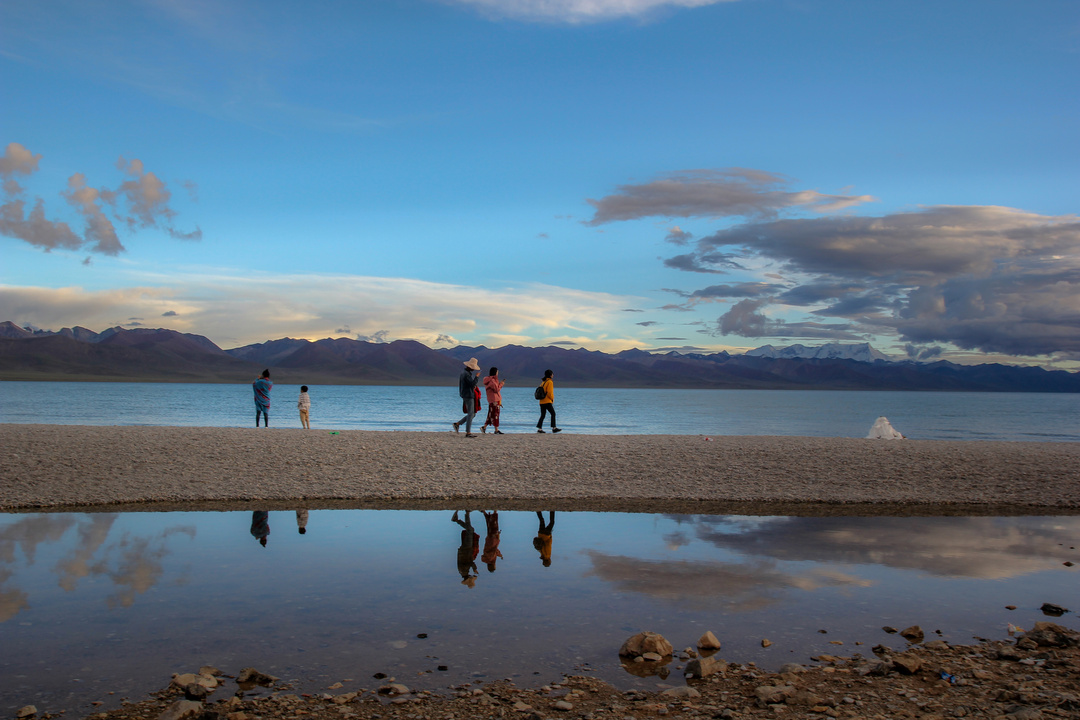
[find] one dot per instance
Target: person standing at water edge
(262, 397)
(493, 385)
(467, 389)
(260, 526)
(547, 402)
(304, 405)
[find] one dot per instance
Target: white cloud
(235, 310)
(578, 11)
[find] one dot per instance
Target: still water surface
(92, 603)
(924, 415)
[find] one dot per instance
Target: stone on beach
(646, 642)
(708, 641)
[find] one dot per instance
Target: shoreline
(1028, 677)
(72, 467)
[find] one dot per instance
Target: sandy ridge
(44, 466)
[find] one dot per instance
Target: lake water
(924, 415)
(102, 602)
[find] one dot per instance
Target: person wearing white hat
(467, 389)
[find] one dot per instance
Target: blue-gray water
(98, 603)
(924, 415)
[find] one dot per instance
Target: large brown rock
(646, 642)
(703, 667)
(1048, 634)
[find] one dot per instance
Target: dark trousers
(546, 408)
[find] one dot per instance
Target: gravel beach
(64, 466)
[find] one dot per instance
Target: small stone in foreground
(181, 709)
(683, 691)
(708, 641)
(26, 711)
(766, 642)
(914, 633)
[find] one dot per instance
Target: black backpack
(540, 393)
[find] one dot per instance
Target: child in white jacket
(304, 404)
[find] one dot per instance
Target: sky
(696, 175)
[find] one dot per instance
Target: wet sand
(88, 467)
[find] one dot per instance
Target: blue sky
(594, 173)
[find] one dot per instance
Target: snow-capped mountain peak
(861, 352)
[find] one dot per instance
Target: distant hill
(168, 356)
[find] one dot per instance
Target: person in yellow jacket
(547, 403)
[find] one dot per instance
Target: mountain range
(160, 355)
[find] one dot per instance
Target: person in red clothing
(491, 542)
(493, 385)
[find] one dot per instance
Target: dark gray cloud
(819, 292)
(169, 313)
(729, 192)
(678, 236)
(992, 279)
(632, 310)
(690, 263)
(141, 201)
(647, 323)
(746, 319)
(922, 353)
(735, 290)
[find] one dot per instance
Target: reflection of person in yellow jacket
(547, 403)
(542, 541)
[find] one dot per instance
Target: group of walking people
(469, 390)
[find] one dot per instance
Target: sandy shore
(62, 466)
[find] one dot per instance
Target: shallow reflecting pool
(92, 604)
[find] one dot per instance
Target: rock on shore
(1035, 676)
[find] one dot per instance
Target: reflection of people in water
(301, 521)
(468, 550)
(491, 541)
(542, 541)
(260, 526)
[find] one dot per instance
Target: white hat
(472, 364)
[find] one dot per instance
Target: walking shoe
(456, 427)
(498, 432)
(540, 431)
(483, 429)
(556, 429)
(471, 435)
